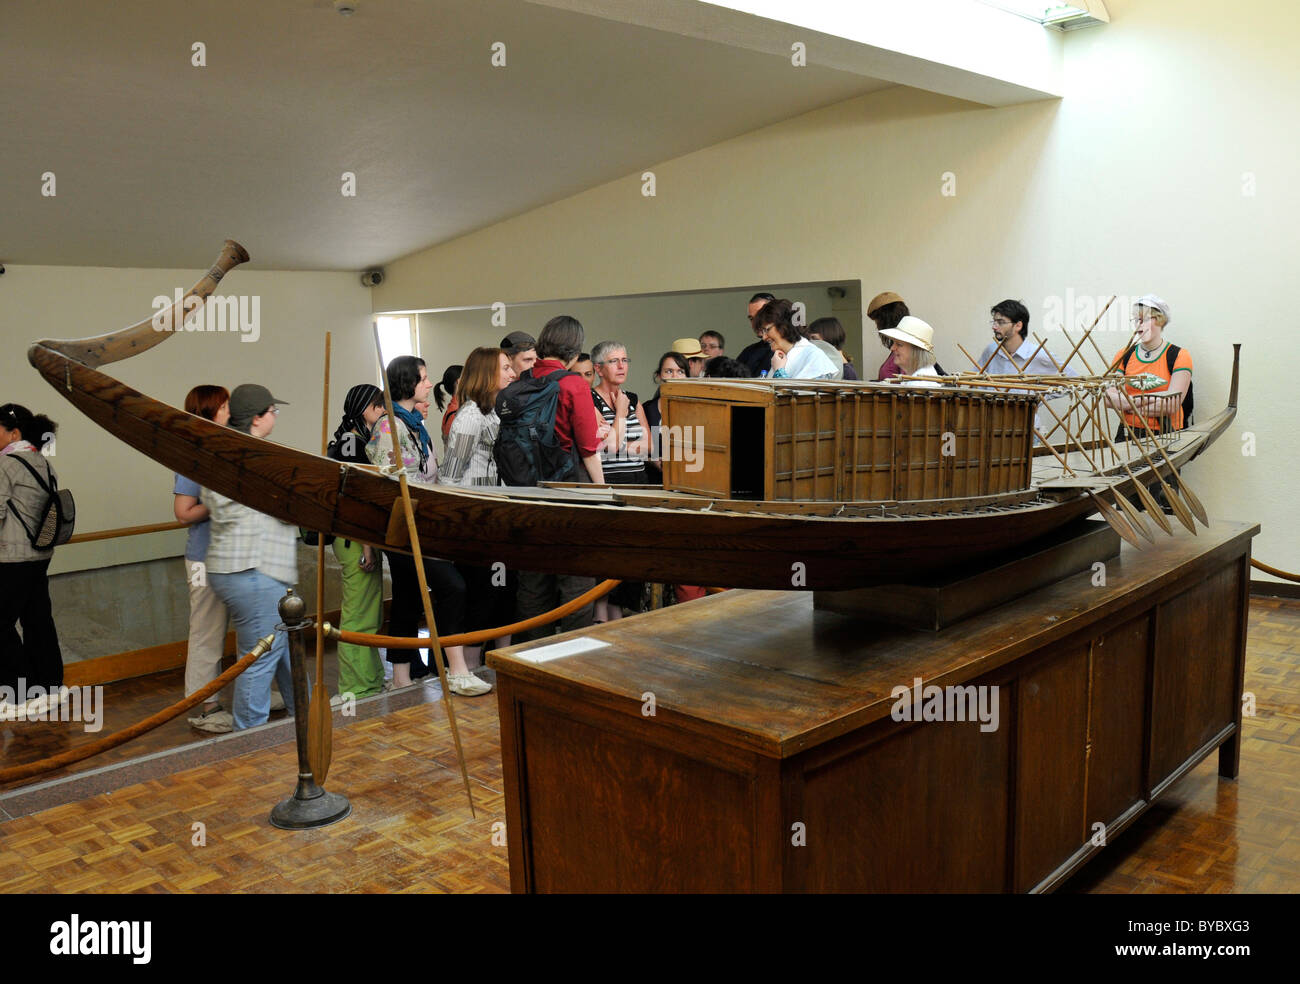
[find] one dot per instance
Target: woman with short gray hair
(624, 449)
(623, 452)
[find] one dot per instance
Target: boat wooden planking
(942, 511)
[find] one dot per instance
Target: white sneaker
(467, 685)
(277, 702)
(217, 722)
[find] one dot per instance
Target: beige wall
(116, 486)
(1138, 180)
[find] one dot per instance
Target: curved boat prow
(126, 342)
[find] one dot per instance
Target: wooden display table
(771, 761)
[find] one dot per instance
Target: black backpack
(1171, 356)
(57, 517)
(528, 451)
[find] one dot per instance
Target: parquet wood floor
(411, 829)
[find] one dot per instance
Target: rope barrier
(140, 727)
(101, 745)
(1285, 575)
(473, 638)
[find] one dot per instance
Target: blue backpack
(528, 451)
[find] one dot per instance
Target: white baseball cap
(1153, 303)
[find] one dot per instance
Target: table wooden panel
(1116, 725)
(771, 761)
(1051, 763)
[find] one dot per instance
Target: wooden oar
(1117, 522)
(320, 722)
(1193, 502)
(414, 536)
(1171, 496)
(1148, 500)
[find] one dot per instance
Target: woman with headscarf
(408, 383)
(35, 658)
(361, 672)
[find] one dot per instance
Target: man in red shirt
(558, 348)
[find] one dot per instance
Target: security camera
(372, 278)
(345, 7)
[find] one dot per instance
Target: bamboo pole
(414, 536)
(1095, 322)
(320, 722)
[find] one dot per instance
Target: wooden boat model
(801, 485)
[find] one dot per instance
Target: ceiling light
(1058, 16)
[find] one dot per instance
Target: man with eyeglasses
(757, 358)
(1012, 352)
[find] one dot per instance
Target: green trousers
(361, 672)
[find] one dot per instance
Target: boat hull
(601, 538)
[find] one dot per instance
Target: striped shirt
(614, 463)
(469, 459)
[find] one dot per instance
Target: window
(397, 337)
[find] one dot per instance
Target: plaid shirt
(245, 539)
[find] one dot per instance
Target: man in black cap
(521, 348)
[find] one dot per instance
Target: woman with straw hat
(913, 349)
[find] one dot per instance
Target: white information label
(558, 650)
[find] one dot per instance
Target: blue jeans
(252, 599)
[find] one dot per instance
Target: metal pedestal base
(310, 806)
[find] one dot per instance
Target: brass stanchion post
(310, 805)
